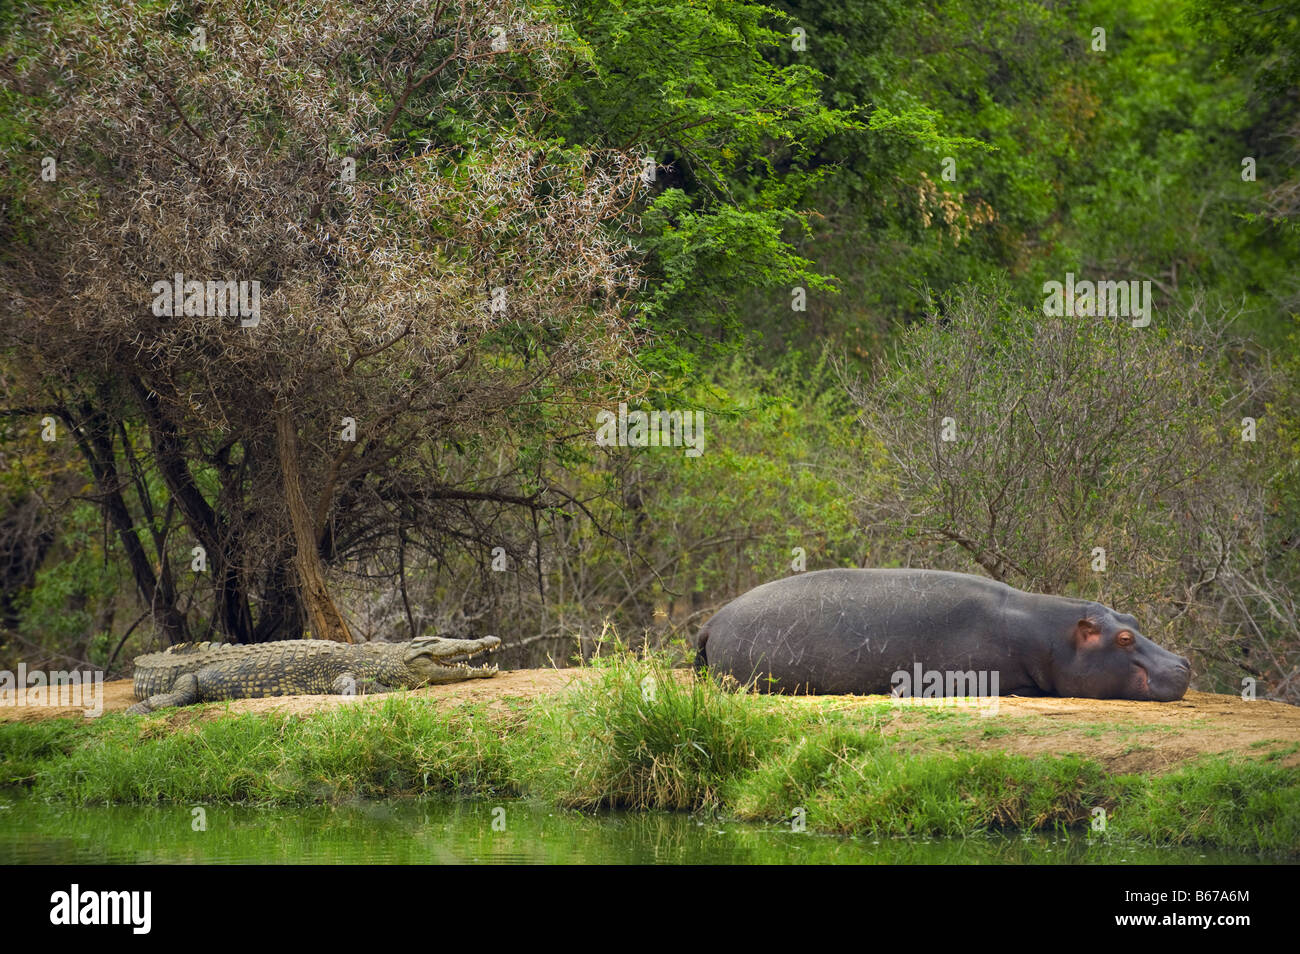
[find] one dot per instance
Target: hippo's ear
(1086, 634)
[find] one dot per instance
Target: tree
(1083, 455)
(309, 314)
(703, 92)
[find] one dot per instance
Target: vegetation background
(799, 153)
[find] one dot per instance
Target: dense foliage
(824, 226)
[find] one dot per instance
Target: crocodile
(188, 673)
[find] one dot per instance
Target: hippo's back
(848, 631)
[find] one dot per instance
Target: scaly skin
(204, 672)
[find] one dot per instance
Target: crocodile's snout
(490, 644)
(436, 657)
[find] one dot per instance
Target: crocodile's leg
(185, 692)
(349, 685)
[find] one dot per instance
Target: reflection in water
(505, 832)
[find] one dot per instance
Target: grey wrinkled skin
(850, 631)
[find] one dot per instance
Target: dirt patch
(1124, 736)
(517, 684)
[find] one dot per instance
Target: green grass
(640, 738)
(954, 727)
(399, 747)
(848, 781)
(637, 737)
(1251, 806)
(26, 747)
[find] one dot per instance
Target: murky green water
(508, 832)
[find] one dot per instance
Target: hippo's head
(1109, 659)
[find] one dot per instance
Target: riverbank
(1209, 770)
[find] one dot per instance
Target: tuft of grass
(1279, 753)
(640, 737)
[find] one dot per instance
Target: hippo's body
(855, 631)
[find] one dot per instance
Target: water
(460, 832)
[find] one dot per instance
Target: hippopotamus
(856, 631)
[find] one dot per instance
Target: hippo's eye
(1124, 638)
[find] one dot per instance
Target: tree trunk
(97, 449)
(325, 619)
(281, 616)
(207, 525)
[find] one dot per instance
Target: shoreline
(1210, 769)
